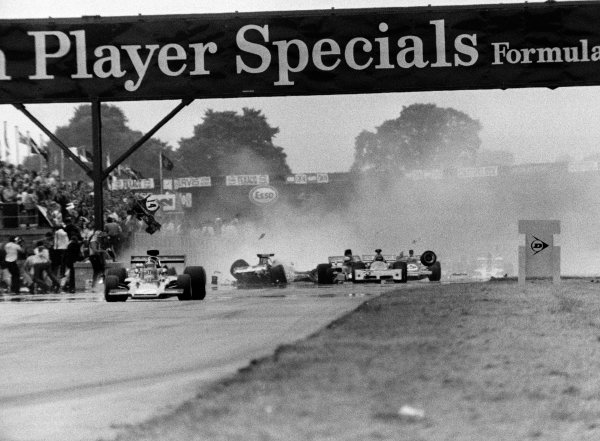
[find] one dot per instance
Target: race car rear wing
(371, 257)
(341, 259)
(167, 259)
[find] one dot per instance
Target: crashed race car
(360, 269)
(423, 266)
(265, 273)
(379, 268)
(151, 277)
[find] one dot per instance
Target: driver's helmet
(151, 262)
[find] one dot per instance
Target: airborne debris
(261, 236)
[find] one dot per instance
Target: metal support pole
(97, 172)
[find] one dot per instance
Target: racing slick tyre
(184, 282)
(324, 276)
(240, 263)
(112, 282)
(428, 258)
(359, 265)
(197, 282)
(120, 273)
(436, 272)
(404, 273)
(278, 275)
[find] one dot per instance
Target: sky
(318, 133)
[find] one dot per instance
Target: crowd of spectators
(65, 209)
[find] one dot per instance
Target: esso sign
(263, 195)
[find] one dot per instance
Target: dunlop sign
(264, 195)
(545, 44)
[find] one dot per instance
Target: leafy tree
(423, 136)
(117, 137)
(229, 143)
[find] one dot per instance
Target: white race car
(360, 269)
(151, 277)
(380, 270)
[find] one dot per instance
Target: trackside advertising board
(549, 44)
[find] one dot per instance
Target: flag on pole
(34, 148)
(167, 164)
(6, 145)
(82, 154)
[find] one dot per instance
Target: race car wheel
(324, 276)
(404, 274)
(184, 282)
(278, 275)
(112, 282)
(197, 282)
(240, 263)
(436, 272)
(120, 273)
(428, 258)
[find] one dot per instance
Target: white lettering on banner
(109, 59)
(504, 54)
(294, 56)
(133, 184)
(246, 180)
(189, 182)
(304, 178)
(322, 178)
(186, 199)
(580, 167)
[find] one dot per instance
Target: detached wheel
(184, 281)
(112, 282)
(197, 281)
(120, 273)
(278, 275)
(240, 263)
(436, 272)
(324, 276)
(404, 274)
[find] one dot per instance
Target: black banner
(551, 44)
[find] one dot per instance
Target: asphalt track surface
(76, 368)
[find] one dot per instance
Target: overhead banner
(549, 44)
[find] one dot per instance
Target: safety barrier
(12, 215)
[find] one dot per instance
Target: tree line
(228, 142)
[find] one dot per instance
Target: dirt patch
(495, 361)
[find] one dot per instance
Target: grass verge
(495, 361)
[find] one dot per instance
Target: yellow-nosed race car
(153, 277)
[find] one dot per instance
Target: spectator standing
(72, 255)
(113, 231)
(71, 228)
(61, 241)
(97, 256)
(29, 199)
(13, 250)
